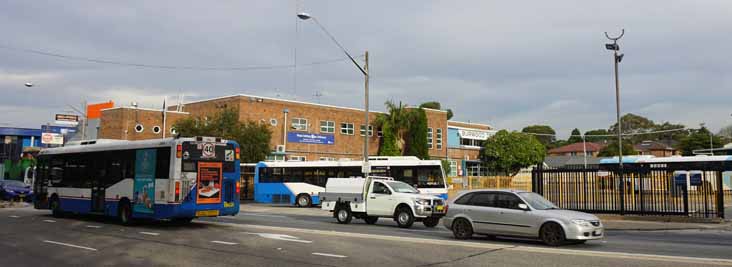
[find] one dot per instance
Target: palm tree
(394, 126)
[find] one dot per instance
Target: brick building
(303, 131)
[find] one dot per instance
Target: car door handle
(372, 197)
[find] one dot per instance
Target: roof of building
(652, 145)
(562, 161)
(577, 147)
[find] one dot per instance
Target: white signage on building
(52, 139)
(473, 134)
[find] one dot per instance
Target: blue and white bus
(300, 182)
(174, 178)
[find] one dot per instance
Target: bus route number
(209, 150)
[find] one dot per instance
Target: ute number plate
(440, 208)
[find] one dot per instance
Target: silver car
(519, 214)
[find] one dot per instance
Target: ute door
(379, 200)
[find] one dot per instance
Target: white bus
(300, 182)
(173, 178)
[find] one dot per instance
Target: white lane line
(49, 221)
(150, 233)
(280, 237)
(93, 226)
(329, 255)
(69, 245)
(223, 242)
(14, 216)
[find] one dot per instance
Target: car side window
(483, 200)
(465, 199)
(508, 201)
(380, 188)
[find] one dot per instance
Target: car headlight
(424, 202)
(9, 191)
(581, 222)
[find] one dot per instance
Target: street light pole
(616, 59)
(365, 71)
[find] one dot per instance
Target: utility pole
(616, 59)
(367, 168)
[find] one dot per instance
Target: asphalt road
(33, 238)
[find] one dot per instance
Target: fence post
(686, 199)
(642, 174)
(720, 195)
(622, 189)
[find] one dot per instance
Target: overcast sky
(505, 63)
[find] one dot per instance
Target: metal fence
(642, 189)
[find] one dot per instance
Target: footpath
(612, 222)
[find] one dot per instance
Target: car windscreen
(537, 201)
(400, 187)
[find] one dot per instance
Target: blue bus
(299, 182)
(175, 178)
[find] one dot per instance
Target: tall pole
(366, 109)
(616, 59)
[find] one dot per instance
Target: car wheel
(371, 219)
(404, 217)
(552, 234)
(462, 229)
(55, 207)
(431, 221)
(303, 200)
(343, 215)
(124, 212)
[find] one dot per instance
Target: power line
(613, 135)
(169, 67)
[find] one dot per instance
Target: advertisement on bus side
(144, 186)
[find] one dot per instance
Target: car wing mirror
(523, 206)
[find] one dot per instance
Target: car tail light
(178, 151)
(238, 153)
(446, 208)
(238, 187)
(177, 190)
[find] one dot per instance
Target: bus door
(97, 196)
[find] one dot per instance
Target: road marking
(150, 233)
(14, 216)
(223, 242)
(69, 245)
(49, 221)
(329, 255)
(93, 226)
(431, 241)
(281, 237)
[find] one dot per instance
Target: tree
(508, 152)
(393, 125)
(388, 145)
(633, 124)
(416, 141)
(253, 138)
(698, 139)
(611, 150)
(726, 131)
(592, 135)
(545, 133)
(446, 167)
(575, 136)
(438, 106)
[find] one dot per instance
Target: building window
(273, 122)
(327, 126)
(429, 138)
(300, 124)
(471, 142)
(439, 138)
(363, 130)
(298, 158)
(276, 158)
(156, 129)
(139, 128)
(327, 158)
(347, 128)
(453, 168)
(380, 133)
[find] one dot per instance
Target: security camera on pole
(616, 59)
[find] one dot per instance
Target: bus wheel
(55, 207)
(303, 200)
(343, 215)
(125, 213)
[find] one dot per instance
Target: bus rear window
(194, 152)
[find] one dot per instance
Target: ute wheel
(303, 200)
(343, 215)
(462, 229)
(55, 207)
(431, 221)
(404, 217)
(552, 234)
(124, 213)
(371, 219)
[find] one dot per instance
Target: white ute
(376, 197)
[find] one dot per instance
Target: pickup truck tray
(352, 197)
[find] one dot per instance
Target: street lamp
(365, 71)
(616, 59)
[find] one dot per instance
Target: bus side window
(162, 169)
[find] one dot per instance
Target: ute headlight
(424, 202)
(581, 222)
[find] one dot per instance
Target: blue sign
(308, 138)
(695, 178)
(144, 187)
